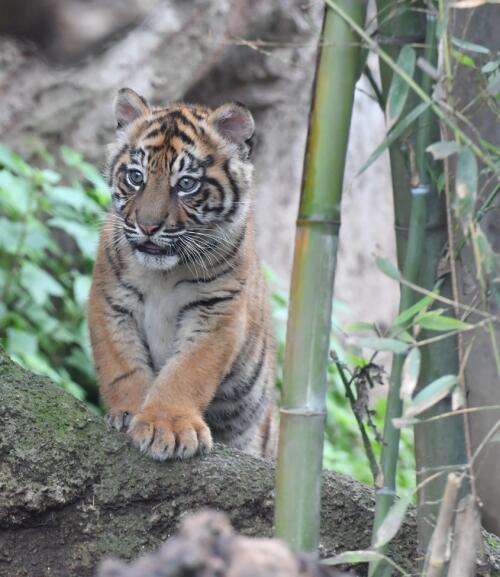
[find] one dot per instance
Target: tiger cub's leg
(121, 360)
(170, 422)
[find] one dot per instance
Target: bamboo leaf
(466, 186)
(437, 322)
(490, 66)
(443, 149)
(362, 557)
(389, 269)
(410, 373)
(404, 422)
(392, 522)
(395, 132)
(463, 59)
(431, 394)
(382, 344)
(410, 312)
(353, 557)
(470, 46)
(353, 327)
(398, 91)
(493, 86)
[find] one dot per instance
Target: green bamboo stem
(300, 451)
(441, 357)
(410, 198)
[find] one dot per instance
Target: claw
(167, 437)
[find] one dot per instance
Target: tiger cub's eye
(135, 177)
(188, 185)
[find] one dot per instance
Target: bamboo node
(316, 220)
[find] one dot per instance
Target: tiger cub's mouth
(149, 247)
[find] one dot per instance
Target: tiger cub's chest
(159, 320)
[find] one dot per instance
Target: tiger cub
(178, 311)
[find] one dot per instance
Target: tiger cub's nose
(148, 229)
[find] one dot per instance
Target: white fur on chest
(162, 303)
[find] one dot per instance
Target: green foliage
(343, 449)
(48, 238)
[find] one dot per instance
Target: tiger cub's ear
(234, 122)
(128, 106)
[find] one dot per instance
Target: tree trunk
(481, 373)
(72, 492)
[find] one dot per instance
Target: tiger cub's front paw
(165, 435)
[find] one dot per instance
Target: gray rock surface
(73, 492)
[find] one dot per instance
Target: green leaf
(39, 284)
(493, 86)
(406, 315)
(353, 557)
(38, 239)
(383, 344)
(463, 59)
(388, 268)
(443, 149)
(81, 289)
(466, 186)
(91, 173)
(70, 156)
(436, 322)
(46, 176)
(15, 192)
(74, 159)
(489, 258)
(396, 131)
(430, 395)
(398, 91)
(85, 237)
(75, 197)
(399, 423)
(470, 46)
(355, 327)
(13, 162)
(410, 373)
(392, 522)
(11, 234)
(21, 343)
(490, 67)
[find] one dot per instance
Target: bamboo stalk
(467, 539)
(438, 358)
(410, 190)
(300, 451)
(410, 193)
(438, 549)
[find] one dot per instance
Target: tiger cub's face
(180, 179)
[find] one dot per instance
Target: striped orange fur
(178, 312)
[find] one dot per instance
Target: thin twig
(374, 466)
